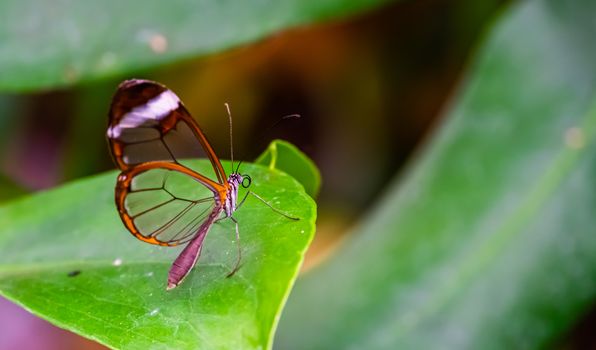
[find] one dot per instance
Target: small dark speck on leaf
(74, 273)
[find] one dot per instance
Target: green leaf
(65, 256)
(286, 157)
(488, 241)
(57, 43)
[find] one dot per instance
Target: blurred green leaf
(488, 241)
(286, 157)
(58, 43)
(57, 259)
(85, 147)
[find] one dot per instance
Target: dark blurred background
(369, 89)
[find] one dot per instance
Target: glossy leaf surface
(65, 256)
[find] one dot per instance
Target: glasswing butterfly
(161, 199)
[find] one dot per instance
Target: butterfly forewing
(149, 123)
(155, 143)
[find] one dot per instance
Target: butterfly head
(239, 179)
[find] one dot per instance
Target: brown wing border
(196, 129)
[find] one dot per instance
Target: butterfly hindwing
(161, 206)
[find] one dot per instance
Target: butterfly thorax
(234, 182)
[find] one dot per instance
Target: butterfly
(160, 197)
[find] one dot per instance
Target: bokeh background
(368, 97)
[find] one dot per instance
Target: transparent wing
(161, 198)
(149, 123)
(162, 206)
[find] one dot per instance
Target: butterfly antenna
(289, 116)
(264, 133)
(231, 139)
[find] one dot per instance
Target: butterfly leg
(239, 258)
(223, 217)
(269, 205)
(242, 201)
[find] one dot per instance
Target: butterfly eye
(246, 181)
